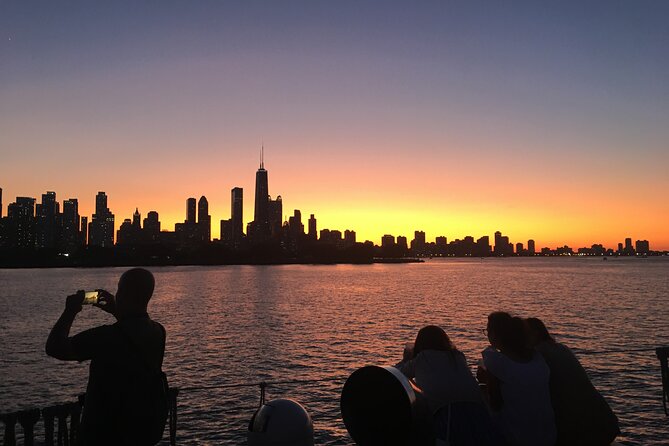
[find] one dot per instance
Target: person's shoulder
(491, 353)
(93, 342)
(99, 331)
(158, 326)
(496, 362)
(538, 361)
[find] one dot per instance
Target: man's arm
(58, 344)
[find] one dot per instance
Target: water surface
(239, 324)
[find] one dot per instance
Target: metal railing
(57, 432)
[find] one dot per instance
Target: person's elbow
(58, 350)
(51, 349)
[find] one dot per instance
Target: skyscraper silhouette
(84, 231)
(46, 214)
(349, 237)
(152, 227)
(642, 246)
(312, 228)
(236, 215)
(402, 243)
(137, 219)
(261, 226)
(191, 205)
(204, 219)
(418, 242)
(387, 241)
(71, 238)
(629, 249)
(295, 224)
(275, 216)
(21, 223)
(101, 230)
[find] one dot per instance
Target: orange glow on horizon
(385, 195)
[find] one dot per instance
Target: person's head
(432, 337)
(495, 322)
(135, 288)
(507, 334)
(537, 331)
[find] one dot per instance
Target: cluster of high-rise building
(31, 225)
(466, 247)
(502, 247)
(44, 226)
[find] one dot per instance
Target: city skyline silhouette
(42, 226)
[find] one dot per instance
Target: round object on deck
(380, 406)
(281, 422)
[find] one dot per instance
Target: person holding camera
(126, 398)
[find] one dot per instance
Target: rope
(261, 384)
(606, 352)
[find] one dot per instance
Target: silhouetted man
(126, 360)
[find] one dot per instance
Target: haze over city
(545, 122)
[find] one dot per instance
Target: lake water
(243, 324)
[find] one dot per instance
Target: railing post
(27, 419)
(10, 428)
(48, 415)
(62, 413)
(75, 417)
(662, 354)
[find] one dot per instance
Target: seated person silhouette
(440, 370)
(517, 383)
(126, 397)
(582, 415)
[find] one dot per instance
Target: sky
(544, 120)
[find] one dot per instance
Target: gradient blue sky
(541, 119)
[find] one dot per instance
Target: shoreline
(314, 262)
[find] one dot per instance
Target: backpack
(144, 401)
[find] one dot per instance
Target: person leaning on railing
(582, 415)
(517, 380)
(126, 398)
(440, 370)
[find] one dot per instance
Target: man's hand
(74, 301)
(106, 302)
(408, 351)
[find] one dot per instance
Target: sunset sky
(545, 120)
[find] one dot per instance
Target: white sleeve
(495, 362)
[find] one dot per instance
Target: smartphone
(91, 297)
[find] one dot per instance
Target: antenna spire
(262, 155)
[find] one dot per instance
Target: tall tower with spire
(261, 226)
(136, 219)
